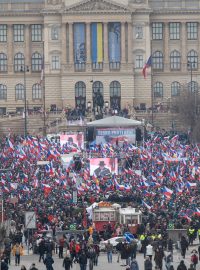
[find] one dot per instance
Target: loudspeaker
(90, 134)
(138, 135)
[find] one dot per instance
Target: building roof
(115, 121)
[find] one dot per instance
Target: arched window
(3, 92)
(3, 62)
(115, 95)
(80, 95)
(192, 59)
(97, 86)
(19, 91)
(193, 87)
(158, 90)
(37, 91)
(175, 89)
(36, 62)
(157, 60)
(175, 60)
(19, 62)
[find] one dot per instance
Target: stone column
(183, 47)
(88, 43)
(64, 44)
(123, 43)
(10, 54)
(71, 42)
(46, 47)
(27, 45)
(130, 42)
(105, 42)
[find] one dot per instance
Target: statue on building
(98, 102)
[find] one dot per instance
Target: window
(139, 62)
(36, 62)
(138, 32)
(175, 60)
(174, 31)
(3, 33)
(3, 62)
(19, 92)
(37, 91)
(80, 94)
(193, 87)
(55, 33)
(18, 30)
(19, 62)
(157, 31)
(192, 30)
(115, 95)
(55, 62)
(157, 60)
(158, 90)
(36, 32)
(3, 92)
(192, 59)
(175, 89)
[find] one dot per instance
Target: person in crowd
(158, 258)
(33, 267)
(67, 262)
(194, 259)
(4, 265)
(41, 250)
(148, 264)
(149, 251)
(61, 247)
(17, 251)
(83, 259)
(109, 251)
(134, 265)
(168, 259)
(49, 261)
(182, 266)
(97, 252)
(184, 245)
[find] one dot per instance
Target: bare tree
(186, 106)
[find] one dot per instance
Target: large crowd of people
(160, 177)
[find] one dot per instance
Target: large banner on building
(100, 167)
(113, 135)
(97, 42)
(114, 40)
(73, 139)
(79, 43)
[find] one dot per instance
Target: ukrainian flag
(97, 42)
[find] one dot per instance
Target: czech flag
(147, 65)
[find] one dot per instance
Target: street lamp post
(25, 69)
(191, 65)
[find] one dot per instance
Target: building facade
(64, 51)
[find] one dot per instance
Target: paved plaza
(27, 260)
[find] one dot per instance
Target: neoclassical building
(67, 50)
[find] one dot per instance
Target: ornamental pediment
(97, 6)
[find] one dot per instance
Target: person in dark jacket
(83, 260)
(158, 257)
(49, 262)
(184, 245)
(182, 266)
(4, 265)
(67, 262)
(170, 245)
(41, 250)
(148, 264)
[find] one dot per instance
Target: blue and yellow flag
(97, 42)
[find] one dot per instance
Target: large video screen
(73, 139)
(101, 167)
(115, 135)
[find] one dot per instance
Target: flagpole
(152, 94)
(44, 101)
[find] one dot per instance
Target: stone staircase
(56, 122)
